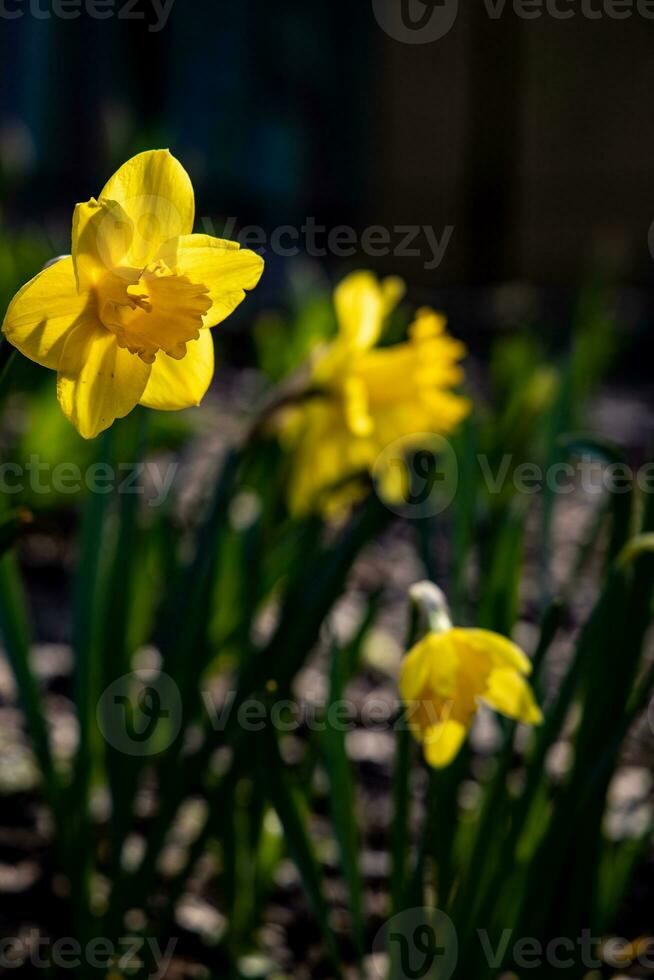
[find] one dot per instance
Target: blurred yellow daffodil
(124, 320)
(367, 397)
(449, 672)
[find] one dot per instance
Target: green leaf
(292, 818)
(7, 358)
(11, 527)
(343, 799)
(14, 627)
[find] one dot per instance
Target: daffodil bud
(432, 608)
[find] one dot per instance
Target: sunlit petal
(44, 311)
(442, 742)
(222, 267)
(156, 193)
(360, 309)
(102, 239)
(510, 694)
(181, 384)
(501, 651)
(98, 381)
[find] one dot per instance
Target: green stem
(7, 354)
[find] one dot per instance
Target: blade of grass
(620, 504)
(399, 846)
(581, 804)
(88, 649)
(7, 359)
(184, 648)
(477, 890)
(11, 528)
(343, 800)
(122, 770)
(499, 606)
(285, 802)
(14, 627)
(314, 584)
(401, 805)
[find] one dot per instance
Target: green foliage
(530, 855)
(284, 343)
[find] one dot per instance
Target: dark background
(533, 138)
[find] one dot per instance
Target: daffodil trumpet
(451, 671)
(124, 320)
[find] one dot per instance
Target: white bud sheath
(432, 606)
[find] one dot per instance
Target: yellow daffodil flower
(449, 672)
(124, 320)
(366, 397)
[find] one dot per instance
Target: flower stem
(7, 352)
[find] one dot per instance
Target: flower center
(152, 309)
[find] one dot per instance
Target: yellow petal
(355, 407)
(393, 289)
(510, 694)
(101, 240)
(414, 673)
(98, 381)
(360, 308)
(156, 193)
(442, 742)
(181, 384)
(392, 480)
(432, 665)
(222, 267)
(43, 313)
(427, 324)
(501, 651)
(445, 664)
